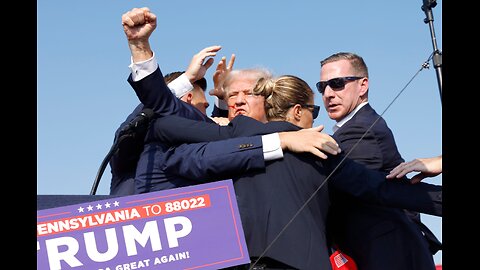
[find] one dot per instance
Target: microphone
(140, 120)
(131, 130)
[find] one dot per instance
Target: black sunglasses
(316, 108)
(335, 83)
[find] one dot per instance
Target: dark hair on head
(172, 76)
(202, 82)
(282, 93)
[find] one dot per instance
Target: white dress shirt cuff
(142, 69)
(271, 147)
(180, 86)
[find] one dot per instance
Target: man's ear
(188, 97)
(364, 89)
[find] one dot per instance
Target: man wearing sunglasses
(269, 197)
(377, 238)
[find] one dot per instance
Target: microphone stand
(437, 55)
(127, 131)
(105, 161)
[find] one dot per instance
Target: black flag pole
(437, 55)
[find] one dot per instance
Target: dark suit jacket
(375, 237)
(123, 162)
(217, 112)
(268, 199)
(203, 160)
(153, 93)
(152, 176)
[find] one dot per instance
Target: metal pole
(437, 55)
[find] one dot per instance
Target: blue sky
(83, 58)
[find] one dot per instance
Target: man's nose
(328, 92)
(240, 98)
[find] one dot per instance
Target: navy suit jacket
(269, 198)
(153, 93)
(123, 163)
(376, 237)
(208, 157)
(245, 152)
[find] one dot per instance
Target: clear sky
(82, 69)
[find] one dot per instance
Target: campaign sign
(195, 227)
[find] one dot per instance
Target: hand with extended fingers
(198, 66)
(310, 140)
(428, 167)
(220, 75)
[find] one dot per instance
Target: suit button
(245, 145)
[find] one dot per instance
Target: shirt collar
(349, 116)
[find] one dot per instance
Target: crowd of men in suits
(301, 192)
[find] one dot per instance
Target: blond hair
(282, 93)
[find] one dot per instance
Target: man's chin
(333, 114)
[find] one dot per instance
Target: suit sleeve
(372, 186)
(176, 130)
(358, 138)
(154, 93)
(368, 144)
(215, 160)
(225, 158)
(217, 112)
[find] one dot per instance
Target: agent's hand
(310, 140)
(220, 75)
(197, 68)
(428, 167)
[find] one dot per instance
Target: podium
(52, 201)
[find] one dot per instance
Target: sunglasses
(335, 83)
(315, 111)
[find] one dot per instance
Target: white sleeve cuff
(220, 103)
(271, 147)
(180, 86)
(142, 69)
